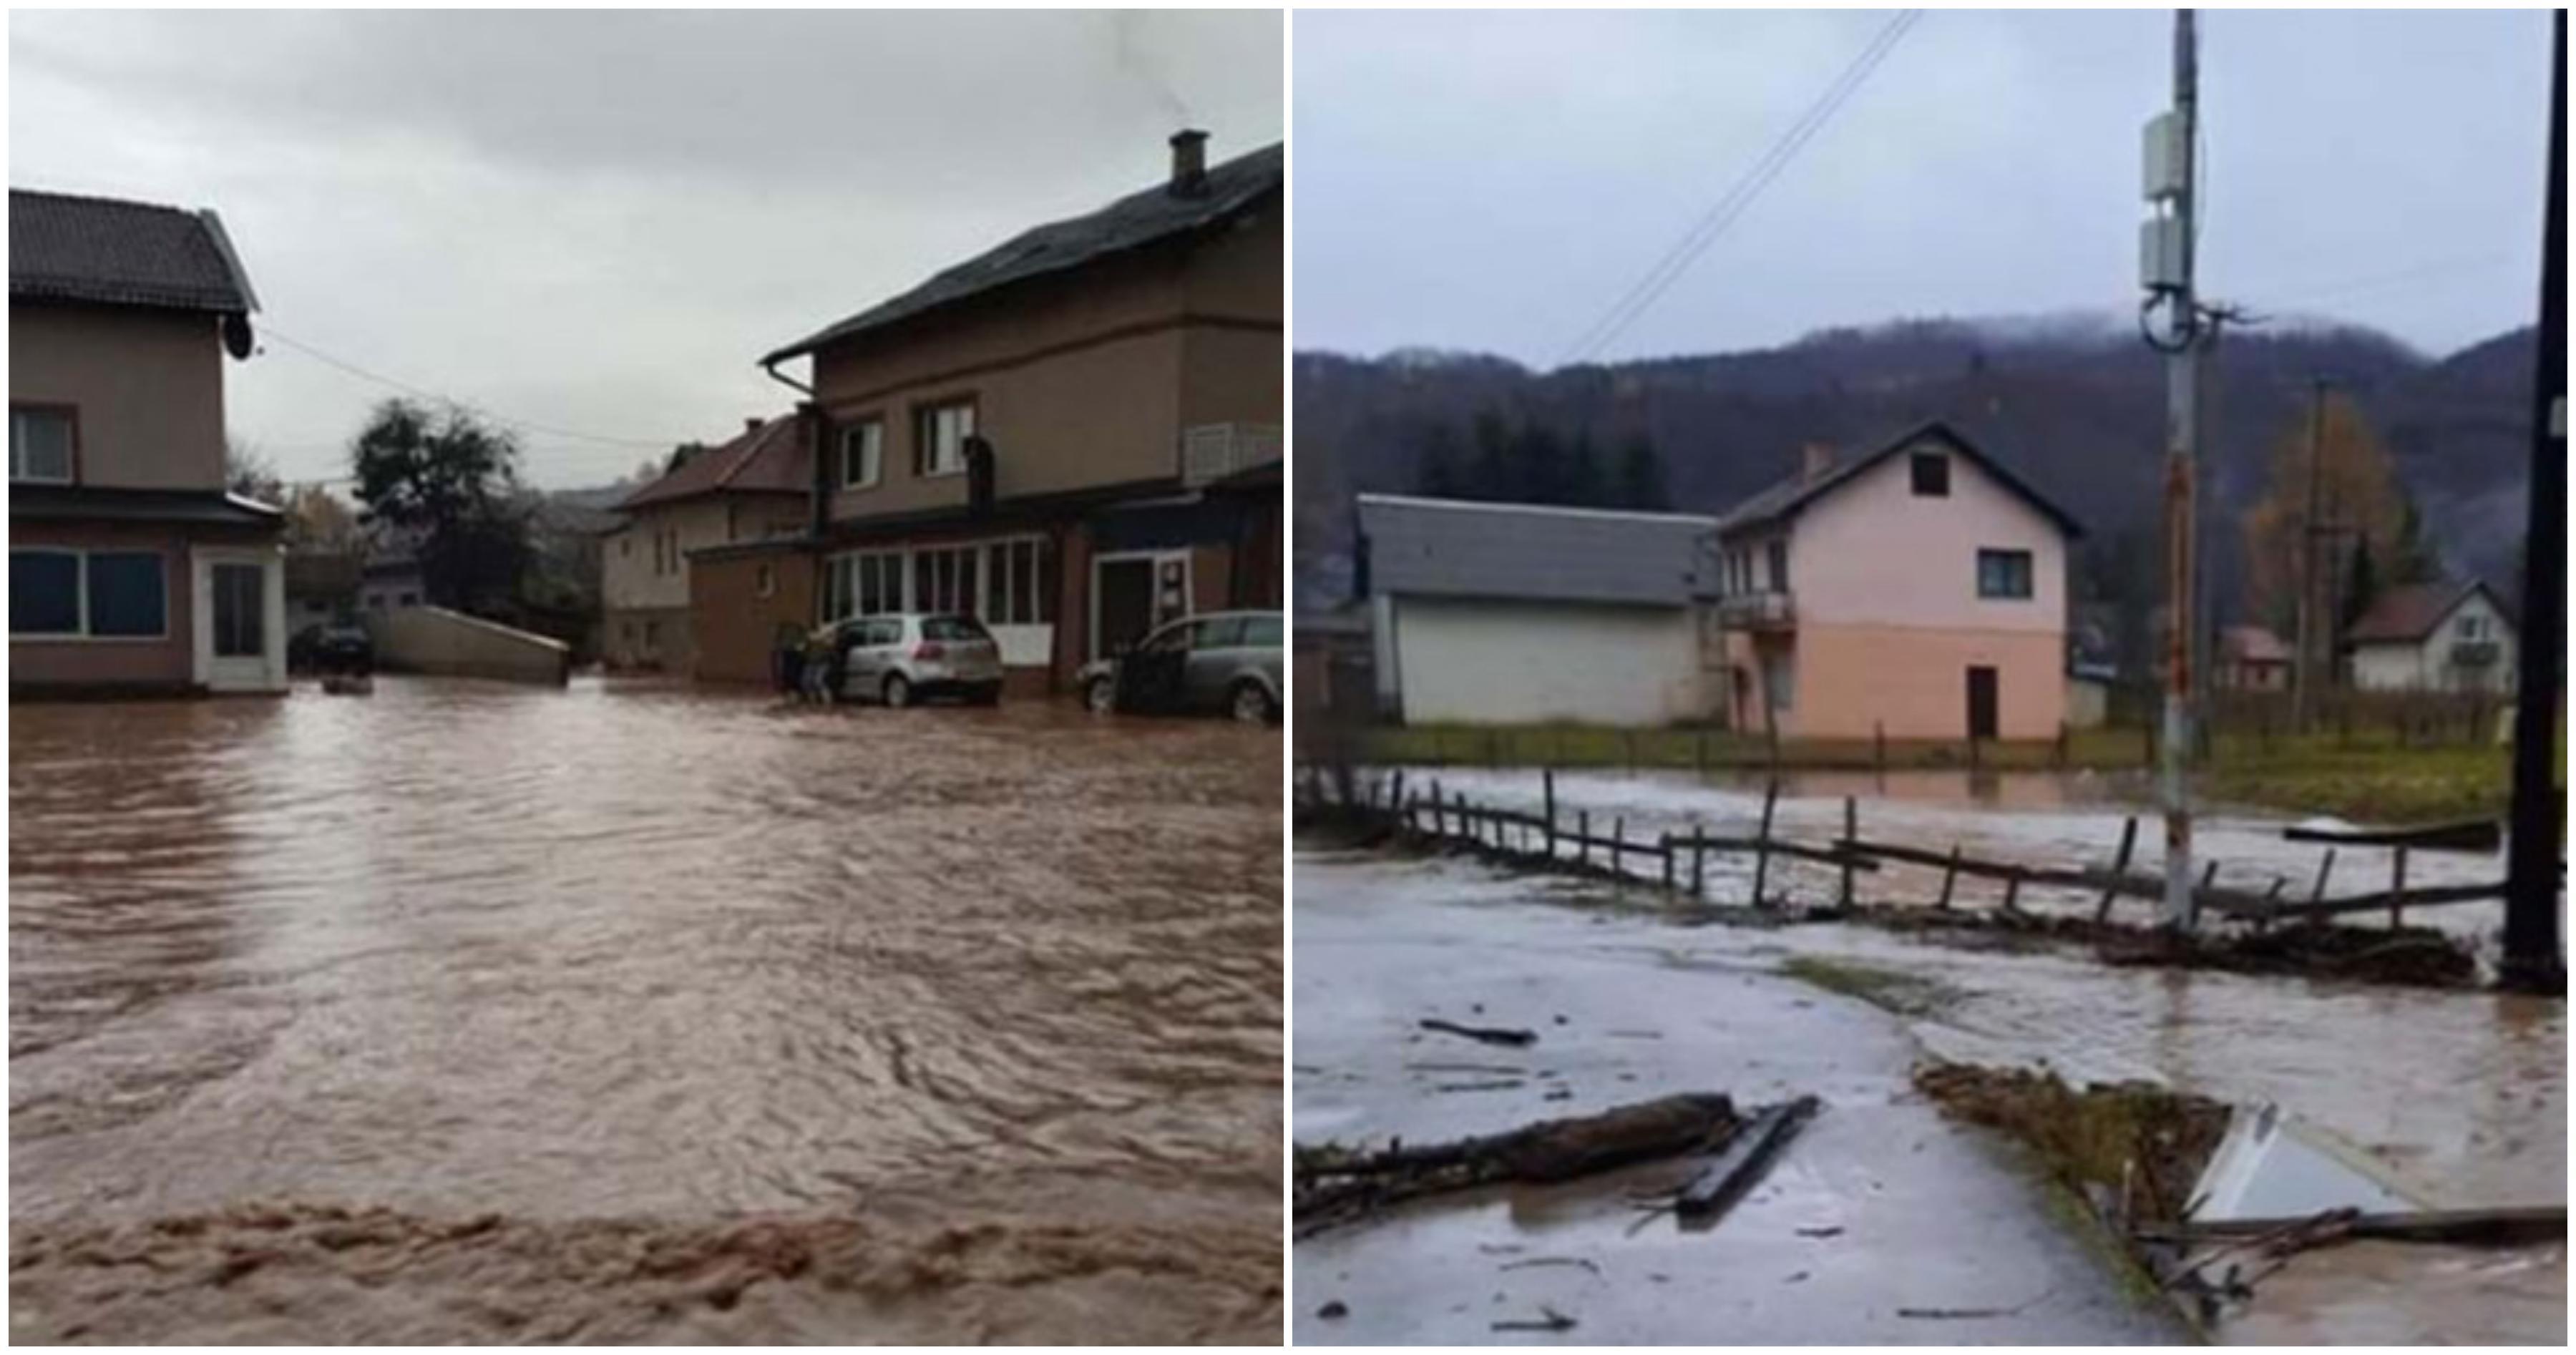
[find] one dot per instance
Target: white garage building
(1512, 613)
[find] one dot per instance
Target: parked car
(907, 657)
(337, 647)
(1223, 661)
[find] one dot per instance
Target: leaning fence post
(2119, 868)
(1666, 846)
(2397, 892)
(2317, 895)
(1547, 788)
(1949, 877)
(1583, 837)
(1762, 840)
(2272, 903)
(1851, 834)
(1699, 838)
(2012, 890)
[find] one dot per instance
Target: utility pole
(2311, 530)
(2531, 942)
(2165, 263)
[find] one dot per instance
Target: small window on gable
(1931, 475)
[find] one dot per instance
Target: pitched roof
(1454, 548)
(1784, 500)
(2253, 644)
(2409, 612)
(68, 248)
(1139, 219)
(770, 459)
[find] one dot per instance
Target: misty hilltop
(2074, 401)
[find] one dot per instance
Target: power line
(1724, 213)
(531, 425)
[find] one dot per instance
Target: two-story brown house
(131, 570)
(1074, 436)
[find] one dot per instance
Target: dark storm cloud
(597, 220)
(1496, 181)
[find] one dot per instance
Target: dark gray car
(1223, 661)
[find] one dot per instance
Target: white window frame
(999, 591)
(80, 600)
(925, 457)
(18, 414)
(872, 449)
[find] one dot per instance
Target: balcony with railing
(1216, 450)
(1762, 610)
(2474, 653)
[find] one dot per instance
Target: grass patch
(1888, 989)
(2134, 1142)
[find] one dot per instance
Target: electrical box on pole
(2168, 161)
(2163, 265)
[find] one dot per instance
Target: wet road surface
(975, 1012)
(2461, 1095)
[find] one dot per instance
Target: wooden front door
(1981, 703)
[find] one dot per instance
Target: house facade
(1483, 613)
(132, 570)
(2434, 637)
(2251, 659)
(1074, 436)
(754, 488)
(1917, 590)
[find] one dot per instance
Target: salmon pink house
(1917, 590)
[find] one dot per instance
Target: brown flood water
(473, 1012)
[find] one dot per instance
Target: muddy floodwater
(475, 1012)
(1881, 1212)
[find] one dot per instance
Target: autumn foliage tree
(450, 483)
(2357, 495)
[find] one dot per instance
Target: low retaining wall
(436, 640)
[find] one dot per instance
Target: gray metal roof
(1452, 548)
(1783, 500)
(119, 253)
(1133, 221)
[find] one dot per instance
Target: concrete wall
(147, 388)
(734, 627)
(1519, 662)
(436, 640)
(1082, 380)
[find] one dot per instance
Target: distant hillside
(2075, 403)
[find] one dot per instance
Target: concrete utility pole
(2165, 262)
(2531, 942)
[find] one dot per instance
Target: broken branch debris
(1483, 1034)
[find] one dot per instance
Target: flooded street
(869, 1025)
(2461, 1096)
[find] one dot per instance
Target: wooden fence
(1431, 814)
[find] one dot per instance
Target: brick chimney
(1814, 460)
(1189, 163)
(751, 425)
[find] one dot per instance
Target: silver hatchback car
(1222, 661)
(906, 657)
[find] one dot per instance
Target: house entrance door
(239, 608)
(1133, 593)
(1981, 703)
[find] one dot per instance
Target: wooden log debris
(1483, 1034)
(1710, 1194)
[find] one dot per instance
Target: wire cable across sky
(1677, 261)
(270, 331)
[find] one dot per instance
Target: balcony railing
(1214, 451)
(2473, 653)
(1767, 610)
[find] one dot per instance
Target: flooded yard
(1882, 1210)
(475, 1012)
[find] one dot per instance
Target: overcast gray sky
(1496, 181)
(598, 221)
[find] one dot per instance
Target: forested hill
(2075, 404)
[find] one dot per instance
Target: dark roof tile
(102, 250)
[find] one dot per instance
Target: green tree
(450, 484)
(1641, 482)
(2361, 583)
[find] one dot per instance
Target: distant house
(390, 583)
(1516, 613)
(758, 487)
(2251, 659)
(131, 569)
(1918, 589)
(1073, 436)
(321, 587)
(2442, 637)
